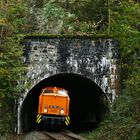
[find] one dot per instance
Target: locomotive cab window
(47, 91)
(62, 92)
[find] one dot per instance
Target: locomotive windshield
(63, 92)
(54, 90)
(48, 91)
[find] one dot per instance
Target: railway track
(62, 136)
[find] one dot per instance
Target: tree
(123, 121)
(13, 14)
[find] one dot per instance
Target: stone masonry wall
(94, 58)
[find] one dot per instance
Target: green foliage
(124, 17)
(11, 66)
(53, 12)
(87, 19)
(77, 17)
(123, 122)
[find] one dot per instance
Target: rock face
(94, 58)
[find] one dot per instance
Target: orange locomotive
(53, 108)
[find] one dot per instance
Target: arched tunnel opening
(88, 103)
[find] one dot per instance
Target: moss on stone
(30, 36)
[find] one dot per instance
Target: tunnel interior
(88, 103)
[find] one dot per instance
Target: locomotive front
(53, 108)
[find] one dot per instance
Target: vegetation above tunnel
(115, 17)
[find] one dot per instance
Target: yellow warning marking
(39, 121)
(38, 117)
(66, 123)
(67, 120)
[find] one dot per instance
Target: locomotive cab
(53, 108)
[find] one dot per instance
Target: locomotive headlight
(45, 110)
(62, 111)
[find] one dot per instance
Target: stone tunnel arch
(88, 101)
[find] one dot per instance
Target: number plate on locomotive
(54, 110)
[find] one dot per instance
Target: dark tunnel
(88, 103)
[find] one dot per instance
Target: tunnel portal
(88, 103)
